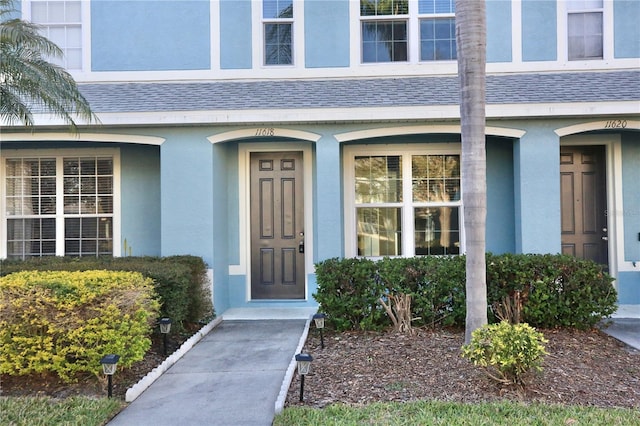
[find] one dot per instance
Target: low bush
(542, 290)
(64, 322)
(507, 351)
(180, 281)
(555, 290)
(348, 293)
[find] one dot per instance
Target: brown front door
(277, 226)
(584, 202)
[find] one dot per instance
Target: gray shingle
(366, 92)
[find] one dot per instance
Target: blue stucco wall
(500, 196)
(326, 33)
(221, 223)
(235, 34)
(626, 31)
(539, 30)
(329, 238)
(537, 185)
(150, 35)
(631, 195)
(499, 31)
(140, 199)
(187, 194)
(628, 284)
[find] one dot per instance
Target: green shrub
(554, 290)
(348, 293)
(507, 351)
(436, 285)
(180, 281)
(64, 322)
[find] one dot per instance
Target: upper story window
(387, 30)
(402, 202)
(277, 16)
(61, 22)
(437, 30)
(58, 205)
(384, 30)
(585, 29)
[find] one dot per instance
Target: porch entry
(584, 202)
(277, 225)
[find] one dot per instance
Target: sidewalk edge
(134, 391)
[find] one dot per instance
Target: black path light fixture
(165, 328)
(304, 365)
(319, 320)
(109, 364)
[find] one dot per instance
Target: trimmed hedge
(180, 281)
(64, 322)
(556, 290)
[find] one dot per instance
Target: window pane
(436, 178)
(56, 11)
(583, 4)
(437, 39)
(585, 36)
(39, 12)
(73, 11)
(384, 41)
(272, 9)
(437, 230)
(436, 6)
(383, 7)
(379, 231)
(30, 238)
(378, 179)
(74, 37)
(277, 44)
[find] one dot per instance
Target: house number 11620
(265, 131)
(615, 124)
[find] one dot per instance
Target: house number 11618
(265, 131)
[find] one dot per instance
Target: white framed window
(585, 38)
(61, 22)
(406, 31)
(59, 203)
(402, 200)
(437, 30)
(277, 24)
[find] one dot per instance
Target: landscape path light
(109, 363)
(165, 328)
(304, 365)
(319, 320)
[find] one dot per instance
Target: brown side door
(584, 202)
(277, 226)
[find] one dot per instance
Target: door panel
(583, 202)
(277, 226)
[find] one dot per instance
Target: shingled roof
(368, 92)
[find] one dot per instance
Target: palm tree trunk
(471, 46)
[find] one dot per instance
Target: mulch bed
(582, 368)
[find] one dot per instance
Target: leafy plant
(348, 293)
(507, 351)
(64, 322)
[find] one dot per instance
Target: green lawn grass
(446, 413)
(76, 411)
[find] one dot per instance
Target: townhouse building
(266, 135)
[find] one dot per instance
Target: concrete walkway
(233, 376)
(624, 325)
(238, 373)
